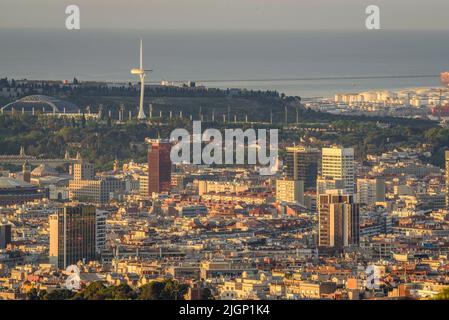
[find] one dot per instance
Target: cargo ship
(444, 77)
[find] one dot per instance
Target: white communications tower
(141, 73)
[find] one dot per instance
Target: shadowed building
(5, 235)
(370, 191)
(73, 235)
(13, 191)
(303, 164)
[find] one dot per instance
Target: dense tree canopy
(104, 141)
(157, 290)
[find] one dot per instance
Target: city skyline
(257, 164)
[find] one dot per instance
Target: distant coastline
(108, 56)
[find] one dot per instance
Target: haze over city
(236, 15)
(194, 151)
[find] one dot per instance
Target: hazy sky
(226, 14)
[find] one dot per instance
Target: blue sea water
(200, 56)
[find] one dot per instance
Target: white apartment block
(338, 163)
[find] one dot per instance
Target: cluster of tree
(438, 138)
(78, 87)
(98, 142)
(157, 290)
(310, 115)
(101, 142)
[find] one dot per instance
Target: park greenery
(156, 290)
(102, 141)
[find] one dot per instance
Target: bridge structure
(22, 158)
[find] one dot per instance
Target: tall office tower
(5, 235)
(338, 163)
(159, 166)
(302, 163)
(72, 235)
(370, 191)
(446, 157)
(338, 220)
(290, 191)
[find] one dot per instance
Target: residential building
(338, 220)
(370, 191)
(205, 186)
(338, 163)
(290, 191)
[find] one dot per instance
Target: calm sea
(200, 56)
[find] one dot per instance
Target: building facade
(303, 163)
(100, 231)
(83, 171)
(5, 235)
(73, 235)
(324, 184)
(13, 191)
(370, 191)
(338, 163)
(446, 176)
(338, 220)
(159, 166)
(97, 191)
(87, 188)
(205, 187)
(290, 191)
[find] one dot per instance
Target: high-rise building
(370, 191)
(73, 235)
(338, 220)
(159, 166)
(100, 231)
(446, 157)
(5, 235)
(338, 163)
(302, 163)
(290, 191)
